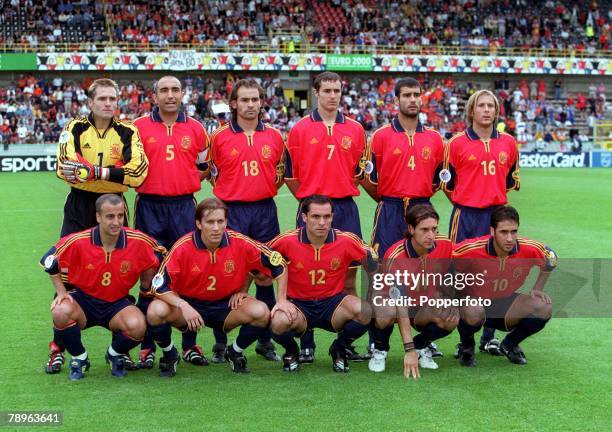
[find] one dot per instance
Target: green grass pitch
(565, 386)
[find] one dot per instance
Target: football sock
(526, 327)
(466, 333)
(488, 333)
(265, 293)
(220, 337)
(81, 356)
(162, 334)
(352, 330)
(189, 339)
(58, 340)
(246, 336)
(430, 333)
(71, 335)
(287, 341)
(380, 337)
(307, 340)
(123, 343)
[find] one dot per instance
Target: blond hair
(101, 82)
(473, 100)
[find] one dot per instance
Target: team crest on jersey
(185, 143)
(335, 263)
(125, 267)
(150, 140)
(114, 153)
(229, 266)
(346, 143)
(426, 153)
(276, 258)
(266, 151)
(503, 157)
(517, 272)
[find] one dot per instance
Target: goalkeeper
(98, 154)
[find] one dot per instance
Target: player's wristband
(408, 347)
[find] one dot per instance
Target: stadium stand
(35, 109)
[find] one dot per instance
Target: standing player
(202, 282)
(176, 146)
(97, 154)
(324, 154)
(421, 252)
(506, 260)
(406, 160)
(319, 258)
(483, 165)
(248, 157)
(102, 264)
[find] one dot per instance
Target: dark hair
(504, 213)
(208, 205)
(247, 83)
(325, 76)
(156, 83)
(315, 199)
(405, 82)
(417, 214)
(109, 198)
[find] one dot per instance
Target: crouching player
(504, 260)
(202, 282)
(102, 263)
(319, 258)
(420, 262)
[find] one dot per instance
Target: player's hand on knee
(237, 299)
(60, 298)
(287, 308)
(541, 295)
(192, 317)
(411, 365)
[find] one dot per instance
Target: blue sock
(220, 337)
(380, 337)
(430, 333)
(58, 340)
(162, 334)
(352, 330)
(247, 335)
(488, 333)
(122, 343)
(71, 336)
(266, 295)
(466, 333)
(526, 327)
(189, 339)
(287, 341)
(307, 340)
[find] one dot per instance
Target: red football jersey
(402, 257)
(501, 276)
(248, 166)
(191, 270)
(405, 166)
(316, 274)
(102, 275)
(172, 152)
(482, 171)
(325, 159)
